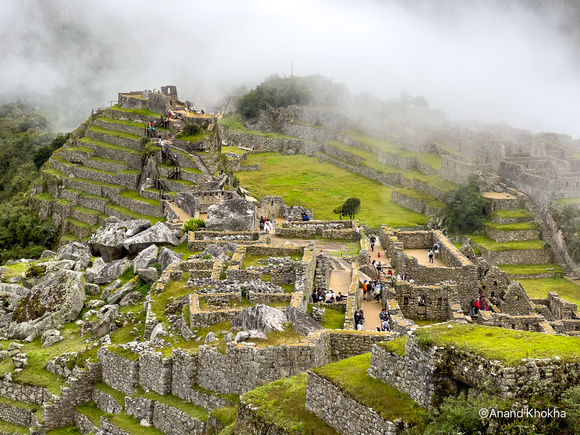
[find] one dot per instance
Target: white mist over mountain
(493, 61)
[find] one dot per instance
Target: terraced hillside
(99, 172)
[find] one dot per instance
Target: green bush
(570, 402)
(149, 149)
(464, 208)
(207, 257)
(193, 224)
(190, 129)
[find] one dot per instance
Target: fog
(489, 60)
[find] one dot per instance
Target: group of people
(433, 252)
(371, 290)
(384, 320)
(359, 320)
(478, 304)
(265, 225)
(328, 298)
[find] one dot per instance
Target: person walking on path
(373, 240)
(430, 255)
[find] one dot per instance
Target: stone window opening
(405, 300)
(492, 294)
(513, 326)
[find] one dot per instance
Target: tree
(464, 211)
(350, 208)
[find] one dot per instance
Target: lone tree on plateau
(464, 208)
(350, 208)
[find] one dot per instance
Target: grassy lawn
(518, 213)
(507, 345)
(513, 227)
(302, 180)
(350, 375)
(432, 159)
(491, 245)
(568, 201)
(429, 200)
(234, 150)
(283, 403)
(397, 345)
(235, 123)
(539, 288)
(528, 269)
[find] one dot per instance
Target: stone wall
(173, 421)
(412, 374)
(106, 402)
(25, 393)
(19, 416)
(520, 256)
(119, 373)
(425, 302)
(511, 236)
(345, 344)
(249, 422)
(243, 367)
(346, 415)
(155, 372)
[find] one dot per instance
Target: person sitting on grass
(329, 296)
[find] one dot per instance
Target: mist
(494, 61)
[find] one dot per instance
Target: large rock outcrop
(49, 305)
(108, 240)
(232, 215)
(261, 318)
(158, 234)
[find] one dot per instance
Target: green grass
(332, 318)
(80, 149)
(397, 345)
(518, 213)
(13, 428)
(86, 210)
(529, 269)
(119, 134)
(104, 160)
(568, 201)
(283, 402)
(91, 410)
(513, 227)
(302, 180)
(234, 150)
(539, 288)
(226, 415)
(235, 123)
(134, 195)
(491, 245)
(350, 375)
(144, 112)
(67, 430)
(101, 144)
(174, 401)
(78, 223)
(432, 159)
(131, 425)
(131, 123)
(134, 214)
(115, 394)
(507, 345)
(429, 200)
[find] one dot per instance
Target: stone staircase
(97, 174)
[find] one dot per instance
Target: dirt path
(371, 311)
(423, 259)
(340, 281)
(183, 216)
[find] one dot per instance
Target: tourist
(404, 276)
(430, 255)
(377, 292)
(329, 296)
(361, 322)
(385, 326)
(357, 233)
(390, 273)
(314, 296)
(365, 289)
(268, 226)
(379, 257)
(340, 297)
(379, 269)
(320, 255)
(261, 223)
(436, 250)
(483, 304)
(356, 318)
(373, 240)
(472, 307)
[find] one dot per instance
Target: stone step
(109, 151)
(105, 164)
(417, 201)
(154, 194)
(126, 214)
(84, 199)
(127, 178)
(177, 185)
(505, 217)
(500, 234)
(76, 154)
(130, 199)
(78, 228)
(115, 138)
(87, 215)
(20, 415)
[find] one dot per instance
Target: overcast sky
(468, 58)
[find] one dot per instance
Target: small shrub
(149, 149)
(190, 129)
(193, 224)
(35, 271)
(207, 257)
